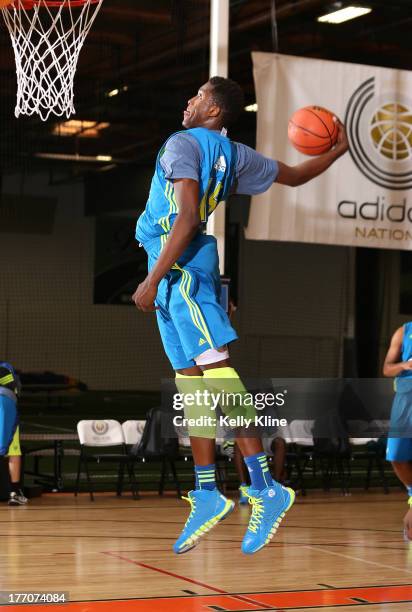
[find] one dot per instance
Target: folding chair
(133, 431)
(300, 438)
(370, 448)
(145, 442)
(102, 435)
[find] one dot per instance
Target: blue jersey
(406, 352)
(8, 418)
(216, 179)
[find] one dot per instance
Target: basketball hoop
(47, 36)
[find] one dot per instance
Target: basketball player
(398, 364)
(195, 170)
(8, 407)
(9, 389)
(17, 497)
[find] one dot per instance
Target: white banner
(365, 198)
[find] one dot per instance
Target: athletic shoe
(17, 499)
(268, 509)
(243, 494)
(207, 508)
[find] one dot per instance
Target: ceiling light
(251, 108)
(115, 92)
(83, 129)
(77, 158)
(344, 14)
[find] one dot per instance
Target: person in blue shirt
(8, 406)
(195, 170)
(9, 431)
(398, 364)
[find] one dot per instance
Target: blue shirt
(219, 165)
(254, 173)
(8, 418)
(406, 353)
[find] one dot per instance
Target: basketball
(312, 130)
(4, 3)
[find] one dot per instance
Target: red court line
(162, 571)
(337, 597)
(197, 582)
(284, 600)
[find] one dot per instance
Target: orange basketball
(4, 3)
(312, 130)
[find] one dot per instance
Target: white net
(47, 37)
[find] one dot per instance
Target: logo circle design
(100, 427)
(380, 137)
(391, 131)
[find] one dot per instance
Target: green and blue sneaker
(269, 506)
(243, 494)
(207, 508)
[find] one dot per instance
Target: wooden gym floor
(330, 553)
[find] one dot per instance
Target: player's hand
(407, 365)
(342, 143)
(145, 295)
(407, 523)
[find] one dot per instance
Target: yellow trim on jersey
(6, 379)
(202, 208)
(164, 222)
(14, 448)
(196, 313)
(194, 309)
(213, 200)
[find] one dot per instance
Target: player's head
(217, 104)
(8, 377)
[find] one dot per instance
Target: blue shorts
(399, 449)
(190, 317)
(399, 445)
(8, 422)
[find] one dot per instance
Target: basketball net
(47, 37)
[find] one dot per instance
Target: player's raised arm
(302, 173)
(393, 366)
(184, 228)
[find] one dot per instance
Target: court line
(276, 601)
(273, 545)
(340, 529)
(197, 582)
(331, 552)
(231, 524)
(327, 586)
(360, 600)
(138, 521)
(48, 535)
